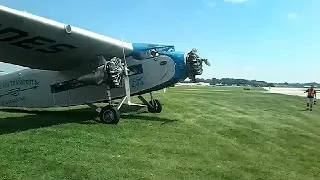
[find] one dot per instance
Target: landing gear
(112, 73)
(109, 115)
(155, 107)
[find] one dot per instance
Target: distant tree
(214, 81)
(254, 83)
(271, 85)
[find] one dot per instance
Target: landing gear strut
(110, 114)
(111, 73)
(155, 105)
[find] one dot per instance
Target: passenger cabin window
(135, 69)
(59, 87)
(66, 85)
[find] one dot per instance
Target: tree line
(253, 83)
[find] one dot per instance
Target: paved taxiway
(287, 91)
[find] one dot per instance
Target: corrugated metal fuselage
(42, 88)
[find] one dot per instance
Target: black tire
(156, 106)
(109, 115)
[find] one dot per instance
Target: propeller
(194, 64)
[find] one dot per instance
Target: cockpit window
(153, 51)
(142, 55)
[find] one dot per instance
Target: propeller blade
(206, 62)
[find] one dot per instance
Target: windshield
(162, 48)
(148, 51)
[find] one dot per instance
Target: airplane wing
(36, 42)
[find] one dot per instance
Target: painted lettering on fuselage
(16, 91)
(20, 38)
(13, 88)
(14, 100)
(137, 82)
(19, 82)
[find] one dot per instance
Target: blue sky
(271, 40)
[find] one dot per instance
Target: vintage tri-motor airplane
(69, 66)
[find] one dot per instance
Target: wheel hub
(108, 116)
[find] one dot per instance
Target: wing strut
(127, 85)
(126, 77)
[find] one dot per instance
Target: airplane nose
(194, 64)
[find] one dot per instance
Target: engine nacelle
(110, 73)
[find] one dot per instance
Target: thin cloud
(236, 1)
(292, 15)
(211, 4)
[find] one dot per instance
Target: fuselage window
(59, 87)
(66, 85)
(135, 69)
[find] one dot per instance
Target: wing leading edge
(36, 42)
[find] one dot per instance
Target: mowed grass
(202, 133)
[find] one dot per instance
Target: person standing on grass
(310, 97)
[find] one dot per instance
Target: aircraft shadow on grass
(35, 119)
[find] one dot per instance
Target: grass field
(202, 133)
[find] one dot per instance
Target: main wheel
(156, 106)
(109, 115)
